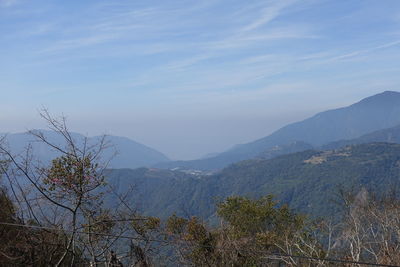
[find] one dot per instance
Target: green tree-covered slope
(308, 181)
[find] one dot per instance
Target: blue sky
(192, 77)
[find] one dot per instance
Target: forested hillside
(308, 181)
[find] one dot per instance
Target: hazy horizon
(194, 77)
(277, 124)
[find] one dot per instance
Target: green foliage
(175, 224)
(250, 229)
(146, 225)
(250, 216)
(69, 173)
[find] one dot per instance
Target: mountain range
(329, 129)
(123, 152)
(304, 164)
(370, 114)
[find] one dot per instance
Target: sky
(191, 77)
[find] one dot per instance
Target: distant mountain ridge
(123, 153)
(389, 135)
(370, 114)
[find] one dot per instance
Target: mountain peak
(386, 97)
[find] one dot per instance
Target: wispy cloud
(365, 51)
(269, 12)
(275, 34)
(147, 26)
(8, 3)
(152, 26)
(180, 65)
(77, 43)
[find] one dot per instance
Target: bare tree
(370, 229)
